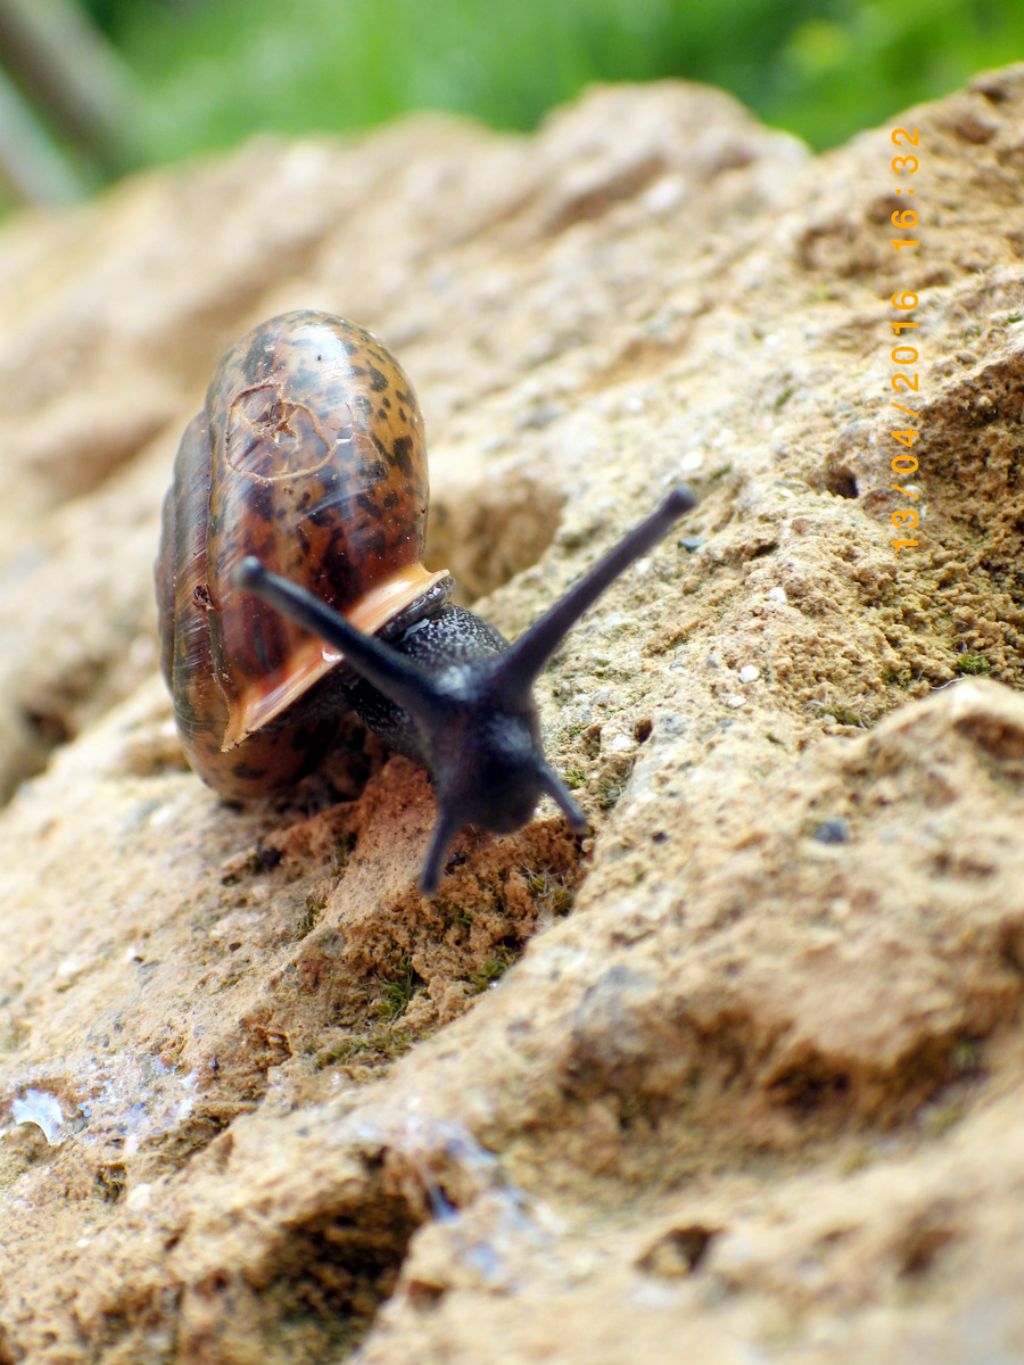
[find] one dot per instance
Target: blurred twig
(31, 167)
(63, 64)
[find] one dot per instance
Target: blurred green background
(195, 75)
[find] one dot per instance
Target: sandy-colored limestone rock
(738, 1077)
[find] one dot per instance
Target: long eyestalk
(400, 679)
(527, 657)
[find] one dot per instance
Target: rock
(739, 1073)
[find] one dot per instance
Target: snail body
(291, 587)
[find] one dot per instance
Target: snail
(291, 588)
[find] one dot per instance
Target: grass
(492, 970)
(397, 991)
(845, 715)
(972, 663)
(216, 71)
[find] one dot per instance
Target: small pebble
(832, 832)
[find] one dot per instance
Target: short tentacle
(446, 827)
(559, 793)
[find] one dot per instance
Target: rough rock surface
(739, 1077)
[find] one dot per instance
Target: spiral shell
(310, 455)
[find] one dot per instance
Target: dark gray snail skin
(453, 695)
(293, 533)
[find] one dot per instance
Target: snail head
(475, 718)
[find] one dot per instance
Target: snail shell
(309, 455)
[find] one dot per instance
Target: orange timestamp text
(905, 377)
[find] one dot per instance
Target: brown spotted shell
(309, 455)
